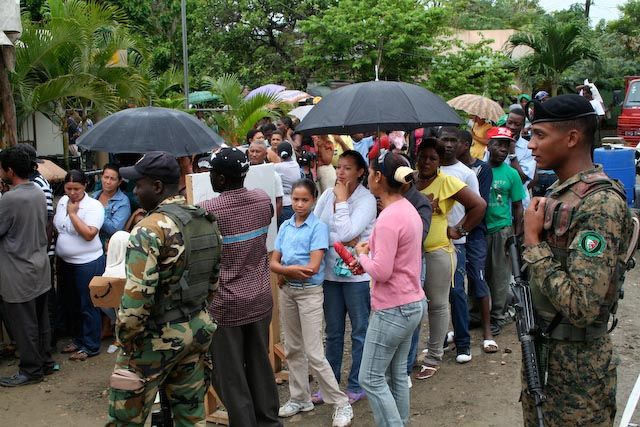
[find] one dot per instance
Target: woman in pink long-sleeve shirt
(392, 258)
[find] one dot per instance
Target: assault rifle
(526, 327)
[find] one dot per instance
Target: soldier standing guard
(163, 328)
(576, 241)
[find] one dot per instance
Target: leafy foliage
(353, 36)
(472, 68)
(493, 14)
(259, 40)
(240, 114)
(557, 46)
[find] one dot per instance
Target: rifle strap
(634, 239)
(554, 324)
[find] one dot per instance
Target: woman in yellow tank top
(444, 191)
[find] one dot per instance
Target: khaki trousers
(301, 314)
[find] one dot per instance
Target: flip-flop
(426, 371)
(489, 346)
(79, 356)
(70, 348)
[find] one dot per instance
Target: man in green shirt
(503, 218)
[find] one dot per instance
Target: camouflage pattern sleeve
(600, 227)
(142, 269)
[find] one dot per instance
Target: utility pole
(587, 6)
(185, 53)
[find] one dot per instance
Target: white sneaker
(342, 416)
(409, 383)
(464, 357)
(291, 408)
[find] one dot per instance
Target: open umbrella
(267, 89)
(377, 105)
(202, 96)
(292, 96)
(477, 105)
(139, 130)
(301, 112)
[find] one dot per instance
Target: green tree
(471, 68)
(240, 114)
(258, 40)
(627, 28)
(353, 36)
(159, 23)
(557, 46)
(64, 62)
(493, 14)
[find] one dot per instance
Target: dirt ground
(483, 392)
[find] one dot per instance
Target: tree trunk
(10, 128)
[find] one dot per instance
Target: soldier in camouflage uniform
(163, 329)
(576, 240)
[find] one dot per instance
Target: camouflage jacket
(155, 255)
(576, 284)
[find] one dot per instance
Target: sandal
(489, 346)
(70, 348)
(426, 371)
(79, 356)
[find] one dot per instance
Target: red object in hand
(346, 256)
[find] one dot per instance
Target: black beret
(559, 109)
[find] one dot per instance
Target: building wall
(43, 134)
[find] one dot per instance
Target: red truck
(629, 119)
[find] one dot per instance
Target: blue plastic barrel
(619, 163)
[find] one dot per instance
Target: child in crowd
(503, 218)
(298, 258)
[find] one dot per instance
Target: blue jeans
(459, 303)
(78, 276)
(476, 247)
(385, 357)
(341, 298)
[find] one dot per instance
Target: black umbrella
(378, 105)
(139, 130)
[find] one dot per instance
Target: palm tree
(556, 47)
(240, 114)
(64, 62)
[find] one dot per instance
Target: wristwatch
(460, 229)
(512, 157)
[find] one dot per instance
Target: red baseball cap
(500, 133)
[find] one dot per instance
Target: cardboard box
(106, 291)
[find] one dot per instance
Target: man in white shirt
(520, 157)
(450, 165)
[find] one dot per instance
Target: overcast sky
(600, 9)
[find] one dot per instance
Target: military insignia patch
(592, 243)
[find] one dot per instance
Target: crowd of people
(424, 214)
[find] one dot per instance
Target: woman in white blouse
(349, 209)
(77, 221)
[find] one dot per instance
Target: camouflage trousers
(175, 358)
(580, 388)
